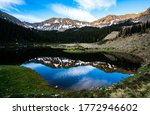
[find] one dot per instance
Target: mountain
(112, 19)
(147, 11)
(116, 19)
(14, 20)
(13, 33)
(10, 18)
(60, 24)
(144, 16)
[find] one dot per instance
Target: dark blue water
(76, 78)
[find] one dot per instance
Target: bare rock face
(112, 35)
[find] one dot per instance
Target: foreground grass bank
(18, 81)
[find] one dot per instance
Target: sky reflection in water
(76, 78)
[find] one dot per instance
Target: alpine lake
(73, 71)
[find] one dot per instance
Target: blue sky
(84, 10)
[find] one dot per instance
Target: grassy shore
(16, 81)
(137, 86)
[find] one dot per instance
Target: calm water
(76, 78)
(95, 69)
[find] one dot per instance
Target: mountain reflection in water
(84, 76)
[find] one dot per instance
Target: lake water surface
(69, 74)
(73, 71)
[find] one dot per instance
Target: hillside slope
(138, 44)
(10, 18)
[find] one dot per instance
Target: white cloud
(95, 4)
(84, 9)
(10, 4)
(74, 13)
(75, 71)
(28, 18)
(87, 83)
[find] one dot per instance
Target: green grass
(71, 50)
(16, 81)
(135, 86)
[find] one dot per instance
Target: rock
(112, 35)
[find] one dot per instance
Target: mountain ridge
(62, 24)
(114, 19)
(10, 18)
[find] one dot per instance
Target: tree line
(10, 32)
(81, 35)
(13, 33)
(138, 28)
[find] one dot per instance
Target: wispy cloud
(74, 13)
(87, 83)
(95, 4)
(83, 10)
(75, 71)
(28, 18)
(10, 4)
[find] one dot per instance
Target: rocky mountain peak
(64, 21)
(113, 19)
(60, 24)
